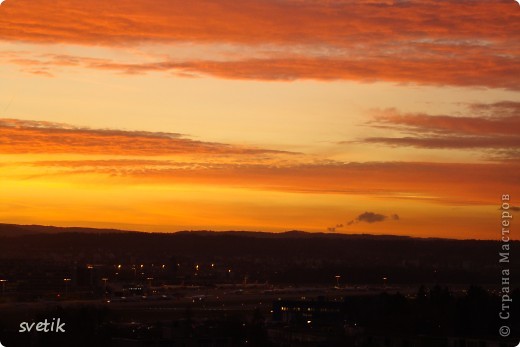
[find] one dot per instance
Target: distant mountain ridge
(290, 257)
(15, 230)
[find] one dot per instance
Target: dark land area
(203, 288)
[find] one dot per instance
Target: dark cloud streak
(24, 137)
(494, 127)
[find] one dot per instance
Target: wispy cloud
(289, 21)
(161, 158)
(463, 43)
(492, 126)
(502, 118)
(434, 182)
(26, 137)
(447, 142)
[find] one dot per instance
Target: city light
(3, 285)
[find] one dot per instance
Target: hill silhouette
(13, 230)
(290, 257)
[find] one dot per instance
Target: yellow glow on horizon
(207, 121)
(179, 207)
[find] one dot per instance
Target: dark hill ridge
(13, 230)
(33, 240)
(291, 256)
(292, 234)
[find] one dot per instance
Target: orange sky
(383, 117)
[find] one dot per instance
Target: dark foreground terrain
(117, 288)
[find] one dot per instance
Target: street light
(104, 279)
(66, 280)
(3, 286)
(337, 277)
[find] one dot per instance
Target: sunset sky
(383, 116)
